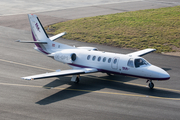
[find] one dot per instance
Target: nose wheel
(151, 84)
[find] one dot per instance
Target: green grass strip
(152, 28)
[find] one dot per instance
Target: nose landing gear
(151, 84)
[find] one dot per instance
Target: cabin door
(114, 63)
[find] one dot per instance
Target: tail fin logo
(37, 27)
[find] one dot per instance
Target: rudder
(43, 43)
(38, 33)
(37, 28)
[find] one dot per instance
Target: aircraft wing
(142, 52)
(61, 73)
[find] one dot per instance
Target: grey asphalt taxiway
(97, 96)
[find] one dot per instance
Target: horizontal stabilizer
(61, 73)
(53, 38)
(39, 42)
(142, 52)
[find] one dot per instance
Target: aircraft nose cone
(162, 74)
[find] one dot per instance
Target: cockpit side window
(130, 63)
(139, 62)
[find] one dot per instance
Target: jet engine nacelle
(64, 57)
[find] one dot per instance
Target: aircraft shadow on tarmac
(91, 83)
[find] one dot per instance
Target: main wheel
(77, 80)
(151, 85)
(109, 74)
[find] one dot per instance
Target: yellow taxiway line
(115, 93)
(7, 61)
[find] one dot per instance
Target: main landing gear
(75, 78)
(109, 74)
(151, 84)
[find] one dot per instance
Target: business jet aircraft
(84, 60)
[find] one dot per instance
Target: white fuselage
(110, 63)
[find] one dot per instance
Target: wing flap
(61, 73)
(142, 52)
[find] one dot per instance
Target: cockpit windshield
(140, 62)
(137, 62)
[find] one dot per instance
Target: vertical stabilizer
(43, 43)
(39, 34)
(37, 28)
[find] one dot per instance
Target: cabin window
(99, 58)
(130, 63)
(109, 60)
(94, 57)
(88, 57)
(104, 59)
(115, 61)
